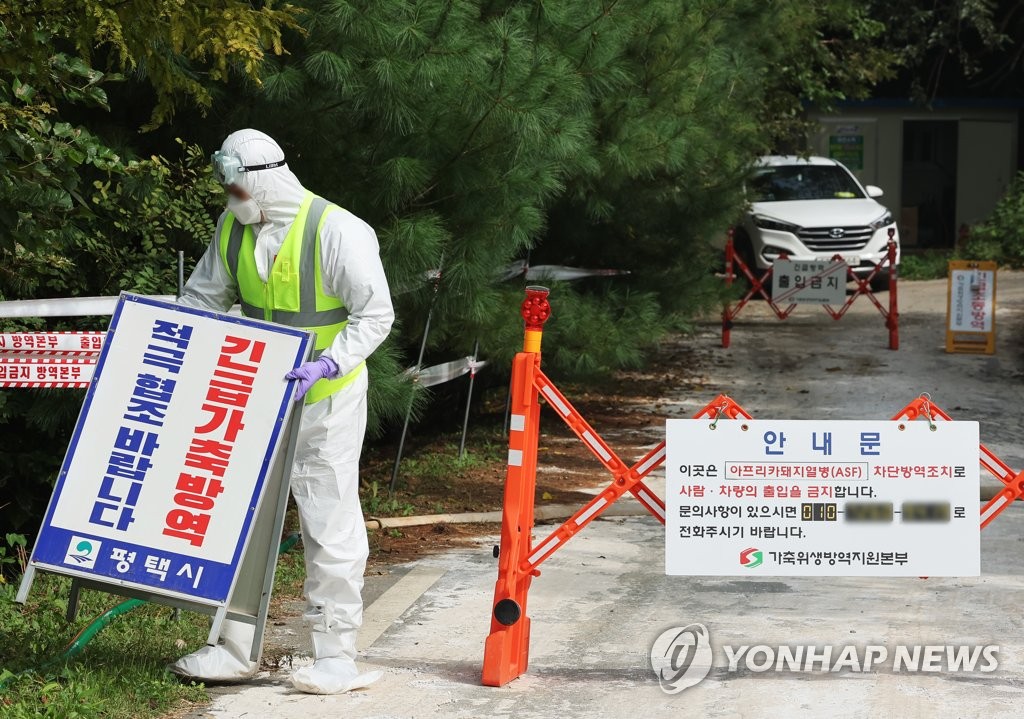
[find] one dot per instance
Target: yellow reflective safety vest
(293, 294)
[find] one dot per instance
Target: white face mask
(245, 211)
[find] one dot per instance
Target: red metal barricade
(758, 285)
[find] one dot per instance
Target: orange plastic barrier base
(506, 651)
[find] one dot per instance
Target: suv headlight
(768, 223)
(882, 221)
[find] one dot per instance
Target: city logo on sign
(681, 657)
(837, 233)
(82, 552)
(751, 557)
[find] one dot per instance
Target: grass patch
(378, 503)
(433, 479)
(443, 464)
(120, 674)
(926, 265)
(290, 574)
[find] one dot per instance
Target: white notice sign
(819, 498)
(971, 300)
(804, 282)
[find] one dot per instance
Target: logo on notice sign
(751, 557)
(82, 552)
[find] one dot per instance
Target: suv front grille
(820, 239)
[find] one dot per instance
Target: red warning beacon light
(535, 308)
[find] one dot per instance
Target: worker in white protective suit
(294, 258)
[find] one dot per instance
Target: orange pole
(507, 649)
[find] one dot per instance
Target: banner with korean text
(971, 307)
(168, 462)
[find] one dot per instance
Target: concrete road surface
(603, 599)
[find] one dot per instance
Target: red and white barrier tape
(36, 372)
(52, 343)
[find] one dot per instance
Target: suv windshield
(780, 183)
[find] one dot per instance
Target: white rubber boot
(333, 671)
(226, 662)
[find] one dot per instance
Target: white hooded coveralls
(325, 476)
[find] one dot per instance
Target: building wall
(981, 143)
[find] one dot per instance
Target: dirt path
(429, 614)
(811, 366)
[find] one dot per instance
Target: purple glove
(307, 374)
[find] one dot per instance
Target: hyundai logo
(836, 233)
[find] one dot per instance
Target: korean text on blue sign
(170, 455)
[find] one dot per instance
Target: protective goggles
(227, 169)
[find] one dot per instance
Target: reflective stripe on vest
(312, 309)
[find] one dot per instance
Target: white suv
(813, 208)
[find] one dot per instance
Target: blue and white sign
(170, 456)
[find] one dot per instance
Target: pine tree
(471, 134)
(475, 134)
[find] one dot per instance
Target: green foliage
(929, 265)
(119, 675)
(127, 241)
(473, 134)
(290, 574)
(824, 52)
(1001, 236)
(42, 159)
(956, 47)
(377, 502)
(176, 48)
(391, 390)
(156, 207)
(470, 135)
(78, 218)
(442, 463)
(13, 555)
(179, 48)
(36, 426)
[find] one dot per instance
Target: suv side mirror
(874, 191)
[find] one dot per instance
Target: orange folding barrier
(1014, 481)
(507, 649)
